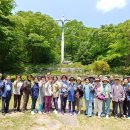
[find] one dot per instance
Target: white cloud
(108, 5)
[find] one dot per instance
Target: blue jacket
(88, 91)
(71, 92)
(1, 85)
(7, 89)
(35, 90)
(64, 89)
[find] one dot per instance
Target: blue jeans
(106, 106)
(40, 107)
(88, 107)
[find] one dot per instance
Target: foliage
(101, 67)
(34, 38)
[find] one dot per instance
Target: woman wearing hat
(118, 97)
(98, 97)
(79, 94)
(88, 96)
(63, 93)
(107, 101)
(71, 96)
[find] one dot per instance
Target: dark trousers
(48, 100)
(115, 105)
(34, 100)
(125, 106)
(71, 105)
(25, 100)
(55, 100)
(5, 104)
(63, 103)
(128, 104)
(17, 102)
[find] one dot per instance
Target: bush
(101, 67)
(121, 70)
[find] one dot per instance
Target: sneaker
(99, 117)
(89, 116)
(123, 117)
(62, 113)
(35, 111)
(102, 115)
(39, 112)
(74, 113)
(44, 113)
(70, 114)
(56, 112)
(128, 118)
(49, 112)
(3, 113)
(115, 117)
(107, 117)
(32, 112)
(78, 112)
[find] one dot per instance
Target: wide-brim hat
(71, 79)
(97, 79)
(117, 78)
(128, 77)
(78, 78)
(105, 79)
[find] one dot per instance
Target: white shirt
(17, 87)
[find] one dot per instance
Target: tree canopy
(35, 38)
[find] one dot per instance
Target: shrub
(101, 67)
(121, 70)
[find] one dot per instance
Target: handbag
(101, 97)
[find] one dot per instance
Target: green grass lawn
(25, 121)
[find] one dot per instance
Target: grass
(25, 121)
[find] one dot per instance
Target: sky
(92, 13)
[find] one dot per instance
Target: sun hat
(78, 78)
(72, 79)
(105, 79)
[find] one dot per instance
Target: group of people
(98, 93)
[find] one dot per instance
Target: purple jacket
(118, 93)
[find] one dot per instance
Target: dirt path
(45, 122)
(68, 120)
(41, 122)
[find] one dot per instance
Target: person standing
(64, 93)
(88, 96)
(108, 96)
(41, 94)
(48, 95)
(98, 97)
(71, 96)
(26, 91)
(6, 94)
(126, 104)
(34, 95)
(118, 97)
(55, 89)
(79, 94)
(17, 93)
(1, 85)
